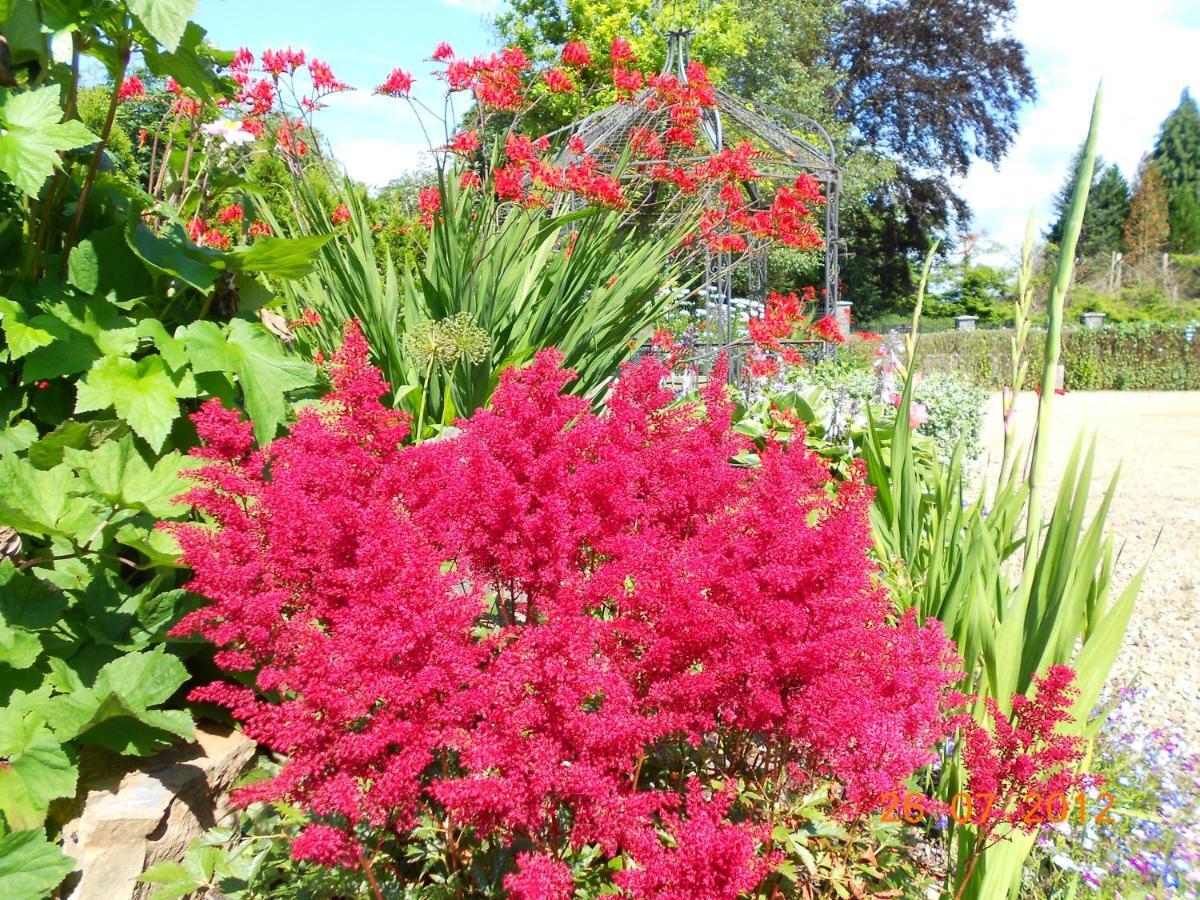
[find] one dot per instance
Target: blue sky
(1146, 53)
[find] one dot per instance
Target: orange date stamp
(967, 808)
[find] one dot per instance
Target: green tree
(912, 91)
(1177, 154)
(1147, 228)
(1105, 214)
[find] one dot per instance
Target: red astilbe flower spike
(1027, 755)
(504, 625)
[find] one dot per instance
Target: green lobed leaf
(264, 371)
(116, 471)
(282, 257)
(38, 769)
(22, 336)
(27, 601)
(47, 452)
(34, 135)
(30, 866)
(144, 394)
(109, 712)
(165, 20)
(32, 500)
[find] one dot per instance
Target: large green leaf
(37, 771)
(144, 394)
(32, 500)
(109, 712)
(116, 471)
(165, 20)
(283, 257)
(30, 866)
(172, 253)
(191, 64)
(264, 371)
(84, 329)
(27, 601)
(33, 135)
(23, 337)
(103, 263)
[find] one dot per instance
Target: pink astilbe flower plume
(511, 627)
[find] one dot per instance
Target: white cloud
(1146, 56)
(376, 161)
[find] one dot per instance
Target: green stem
(420, 429)
(123, 53)
(1054, 311)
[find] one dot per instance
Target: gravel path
(1155, 438)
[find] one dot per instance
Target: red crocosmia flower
(323, 79)
(42, 385)
(509, 183)
(143, 137)
(470, 181)
(309, 319)
(340, 214)
(132, 88)
(558, 81)
(242, 59)
(258, 228)
(828, 329)
(230, 214)
(278, 62)
(212, 237)
(460, 74)
(577, 54)
(576, 146)
(399, 84)
(620, 52)
(443, 53)
(196, 228)
(429, 202)
(521, 149)
(627, 82)
(174, 87)
(464, 143)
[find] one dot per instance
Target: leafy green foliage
(30, 866)
(1134, 356)
(1106, 212)
(506, 269)
(32, 135)
(1177, 155)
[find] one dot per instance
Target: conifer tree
(1105, 213)
(1177, 154)
(1147, 228)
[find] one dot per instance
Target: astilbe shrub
(554, 629)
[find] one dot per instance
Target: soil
(1155, 439)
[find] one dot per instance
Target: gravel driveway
(1155, 438)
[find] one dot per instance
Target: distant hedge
(1128, 357)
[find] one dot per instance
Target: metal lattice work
(787, 145)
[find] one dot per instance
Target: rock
(132, 819)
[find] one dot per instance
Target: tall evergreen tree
(1177, 154)
(1147, 228)
(1105, 213)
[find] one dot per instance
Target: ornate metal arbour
(790, 144)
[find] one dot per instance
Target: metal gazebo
(788, 145)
